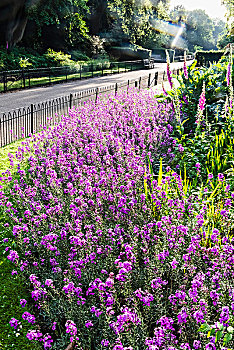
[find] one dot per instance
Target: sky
(212, 7)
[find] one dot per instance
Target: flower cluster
(113, 256)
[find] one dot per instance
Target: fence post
(5, 81)
(139, 83)
(116, 88)
(128, 85)
(70, 101)
(164, 75)
(156, 78)
(96, 97)
(32, 111)
(125, 67)
(135, 83)
(49, 75)
(23, 78)
(149, 80)
(118, 67)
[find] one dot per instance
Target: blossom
(28, 317)
(169, 76)
(14, 323)
(185, 66)
(13, 256)
(202, 99)
(88, 324)
(228, 76)
(23, 302)
(182, 317)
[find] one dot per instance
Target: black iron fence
(26, 78)
(23, 122)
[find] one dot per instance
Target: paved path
(23, 98)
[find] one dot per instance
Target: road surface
(24, 98)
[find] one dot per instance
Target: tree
(64, 18)
(201, 30)
(230, 15)
(136, 17)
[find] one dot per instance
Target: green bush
(19, 58)
(190, 89)
(203, 57)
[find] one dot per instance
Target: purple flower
(228, 76)
(88, 324)
(224, 316)
(220, 177)
(182, 317)
(47, 340)
(169, 76)
(185, 346)
(34, 335)
(174, 263)
(14, 323)
(23, 302)
(197, 344)
(202, 99)
(13, 256)
(185, 67)
(210, 346)
(28, 317)
(105, 342)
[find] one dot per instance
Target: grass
(12, 288)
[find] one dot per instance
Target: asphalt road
(23, 98)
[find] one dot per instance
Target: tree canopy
(80, 24)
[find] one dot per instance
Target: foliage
(201, 30)
(135, 18)
(224, 40)
(202, 57)
(58, 58)
(25, 58)
(66, 15)
(190, 89)
(230, 14)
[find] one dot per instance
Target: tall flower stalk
(185, 66)
(169, 75)
(229, 79)
(201, 106)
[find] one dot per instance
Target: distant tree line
(93, 26)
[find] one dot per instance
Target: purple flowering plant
(115, 252)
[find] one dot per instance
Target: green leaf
(204, 328)
(227, 338)
(218, 336)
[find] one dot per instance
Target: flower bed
(115, 256)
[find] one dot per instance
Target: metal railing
(23, 122)
(27, 78)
